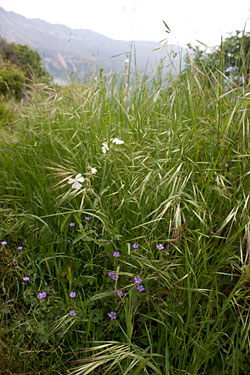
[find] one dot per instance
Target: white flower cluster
(116, 141)
(105, 147)
(79, 179)
(76, 183)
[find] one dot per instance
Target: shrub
(6, 115)
(26, 59)
(12, 80)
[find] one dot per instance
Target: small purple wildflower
(42, 295)
(72, 294)
(119, 292)
(69, 241)
(87, 218)
(14, 261)
(141, 288)
(72, 224)
(137, 280)
(72, 313)
(156, 278)
(135, 246)
(115, 204)
(4, 243)
(160, 246)
(112, 315)
(20, 248)
(26, 278)
(113, 275)
(116, 254)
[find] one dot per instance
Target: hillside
(125, 228)
(65, 51)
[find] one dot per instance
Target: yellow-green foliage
(6, 114)
(12, 80)
(25, 58)
(19, 65)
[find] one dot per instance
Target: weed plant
(125, 228)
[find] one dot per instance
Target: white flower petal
(105, 147)
(76, 186)
(80, 179)
(117, 141)
(93, 170)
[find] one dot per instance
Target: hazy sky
(205, 20)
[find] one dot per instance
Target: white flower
(117, 141)
(105, 147)
(93, 170)
(76, 181)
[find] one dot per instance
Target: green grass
(181, 179)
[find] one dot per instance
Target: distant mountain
(69, 52)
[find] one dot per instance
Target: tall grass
(173, 200)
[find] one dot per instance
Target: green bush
(26, 59)
(12, 80)
(6, 115)
(231, 58)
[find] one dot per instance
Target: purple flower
(115, 204)
(72, 294)
(26, 278)
(20, 248)
(112, 315)
(87, 218)
(156, 278)
(14, 260)
(113, 275)
(137, 280)
(141, 288)
(116, 254)
(69, 241)
(119, 292)
(160, 246)
(4, 243)
(41, 295)
(72, 224)
(72, 313)
(135, 246)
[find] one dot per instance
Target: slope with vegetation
(231, 57)
(19, 67)
(125, 228)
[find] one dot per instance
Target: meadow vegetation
(125, 228)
